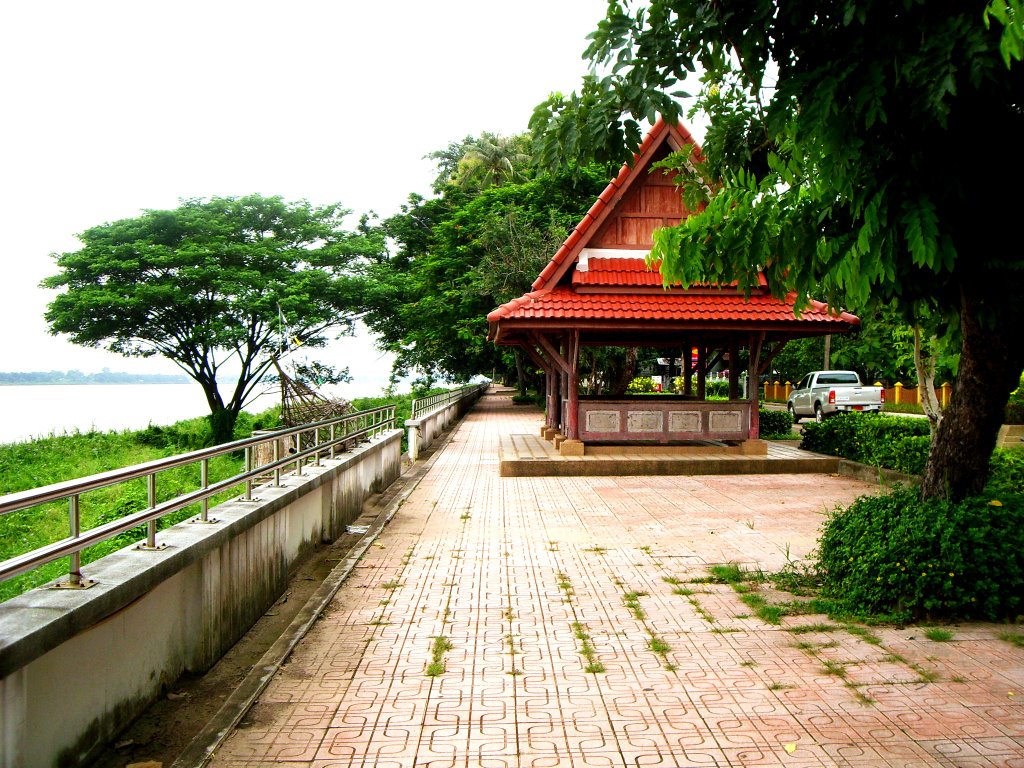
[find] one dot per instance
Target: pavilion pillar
(571, 445)
(561, 374)
(687, 367)
(542, 358)
(573, 380)
(734, 369)
(702, 371)
(551, 376)
(753, 384)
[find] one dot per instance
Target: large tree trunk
(222, 425)
(626, 374)
(990, 364)
(520, 372)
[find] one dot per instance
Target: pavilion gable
(625, 215)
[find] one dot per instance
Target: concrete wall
(77, 666)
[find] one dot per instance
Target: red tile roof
(623, 272)
(726, 306)
(618, 272)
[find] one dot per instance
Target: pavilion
(598, 290)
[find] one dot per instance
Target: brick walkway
(529, 581)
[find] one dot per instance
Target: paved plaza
(541, 622)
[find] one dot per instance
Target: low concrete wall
(77, 666)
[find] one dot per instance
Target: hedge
(894, 442)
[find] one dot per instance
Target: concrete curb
(879, 475)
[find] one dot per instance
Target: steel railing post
(248, 468)
(277, 458)
(150, 543)
(74, 518)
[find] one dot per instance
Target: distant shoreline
(76, 378)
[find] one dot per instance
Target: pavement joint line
(204, 746)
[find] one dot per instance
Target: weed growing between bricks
(579, 629)
(631, 599)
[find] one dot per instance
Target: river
(27, 412)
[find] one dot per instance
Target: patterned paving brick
(513, 573)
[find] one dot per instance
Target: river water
(27, 412)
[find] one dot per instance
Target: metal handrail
(354, 427)
(424, 405)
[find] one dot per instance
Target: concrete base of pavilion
(535, 456)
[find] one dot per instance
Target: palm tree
(493, 160)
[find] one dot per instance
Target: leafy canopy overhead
(841, 142)
(215, 285)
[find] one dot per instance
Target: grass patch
(658, 645)
(587, 650)
(938, 634)
(438, 649)
(864, 634)
(1013, 638)
(632, 601)
(730, 573)
(830, 667)
(804, 629)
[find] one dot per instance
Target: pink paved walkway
(530, 580)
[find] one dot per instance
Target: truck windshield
(838, 378)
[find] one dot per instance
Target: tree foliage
(457, 257)
(217, 286)
(853, 146)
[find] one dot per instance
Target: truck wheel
(818, 415)
(792, 412)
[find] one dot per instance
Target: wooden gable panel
(652, 203)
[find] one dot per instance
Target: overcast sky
(109, 108)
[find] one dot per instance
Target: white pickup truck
(823, 393)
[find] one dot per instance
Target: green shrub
(530, 398)
(641, 384)
(775, 422)
(870, 439)
(716, 388)
(909, 454)
(913, 559)
(1006, 472)
(1015, 406)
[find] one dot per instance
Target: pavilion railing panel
(289, 450)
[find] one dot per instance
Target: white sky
(111, 107)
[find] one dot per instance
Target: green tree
(488, 160)
(459, 256)
(856, 145)
(208, 284)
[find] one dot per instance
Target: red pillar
(754, 384)
(573, 405)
